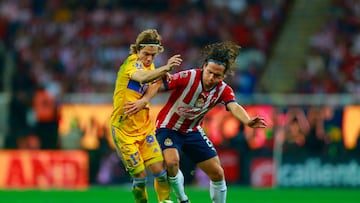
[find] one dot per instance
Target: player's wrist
(145, 100)
(248, 122)
(168, 68)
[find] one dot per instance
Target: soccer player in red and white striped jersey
(193, 93)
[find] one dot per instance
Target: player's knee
(157, 167)
(172, 163)
(172, 168)
(161, 177)
(140, 174)
(217, 174)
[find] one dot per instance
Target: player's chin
(147, 64)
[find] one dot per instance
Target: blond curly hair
(149, 37)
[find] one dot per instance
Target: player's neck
(207, 87)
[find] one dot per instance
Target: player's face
(213, 73)
(147, 55)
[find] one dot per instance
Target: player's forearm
(151, 91)
(145, 76)
(240, 113)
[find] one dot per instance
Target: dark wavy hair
(223, 53)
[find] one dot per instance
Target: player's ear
(204, 65)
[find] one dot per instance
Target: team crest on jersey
(168, 142)
(150, 139)
(200, 102)
(138, 65)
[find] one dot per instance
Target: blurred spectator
(315, 138)
(72, 140)
(333, 128)
(294, 131)
(19, 117)
(46, 118)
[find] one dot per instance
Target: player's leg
(161, 183)
(154, 160)
(215, 172)
(200, 149)
(169, 142)
(176, 177)
(130, 155)
(138, 189)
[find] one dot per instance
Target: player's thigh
(150, 150)
(128, 151)
(198, 147)
(212, 168)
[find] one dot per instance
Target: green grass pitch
(197, 195)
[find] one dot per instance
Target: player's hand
(168, 77)
(257, 122)
(132, 108)
(174, 61)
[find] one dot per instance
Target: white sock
(177, 185)
(218, 191)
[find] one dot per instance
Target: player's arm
(134, 107)
(158, 85)
(145, 76)
(240, 113)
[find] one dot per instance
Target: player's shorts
(136, 152)
(196, 145)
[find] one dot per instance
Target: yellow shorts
(136, 152)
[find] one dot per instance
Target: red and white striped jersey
(189, 102)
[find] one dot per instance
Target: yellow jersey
(127, 90)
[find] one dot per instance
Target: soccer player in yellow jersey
(131, 128)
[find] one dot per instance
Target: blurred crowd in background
(333, 59)
(59, 47)
(73, 46)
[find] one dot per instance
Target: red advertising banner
(262, 172)
(230, 162)
(22, 169)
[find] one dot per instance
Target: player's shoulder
(182, 74)
(226, 86)
(133, 62)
